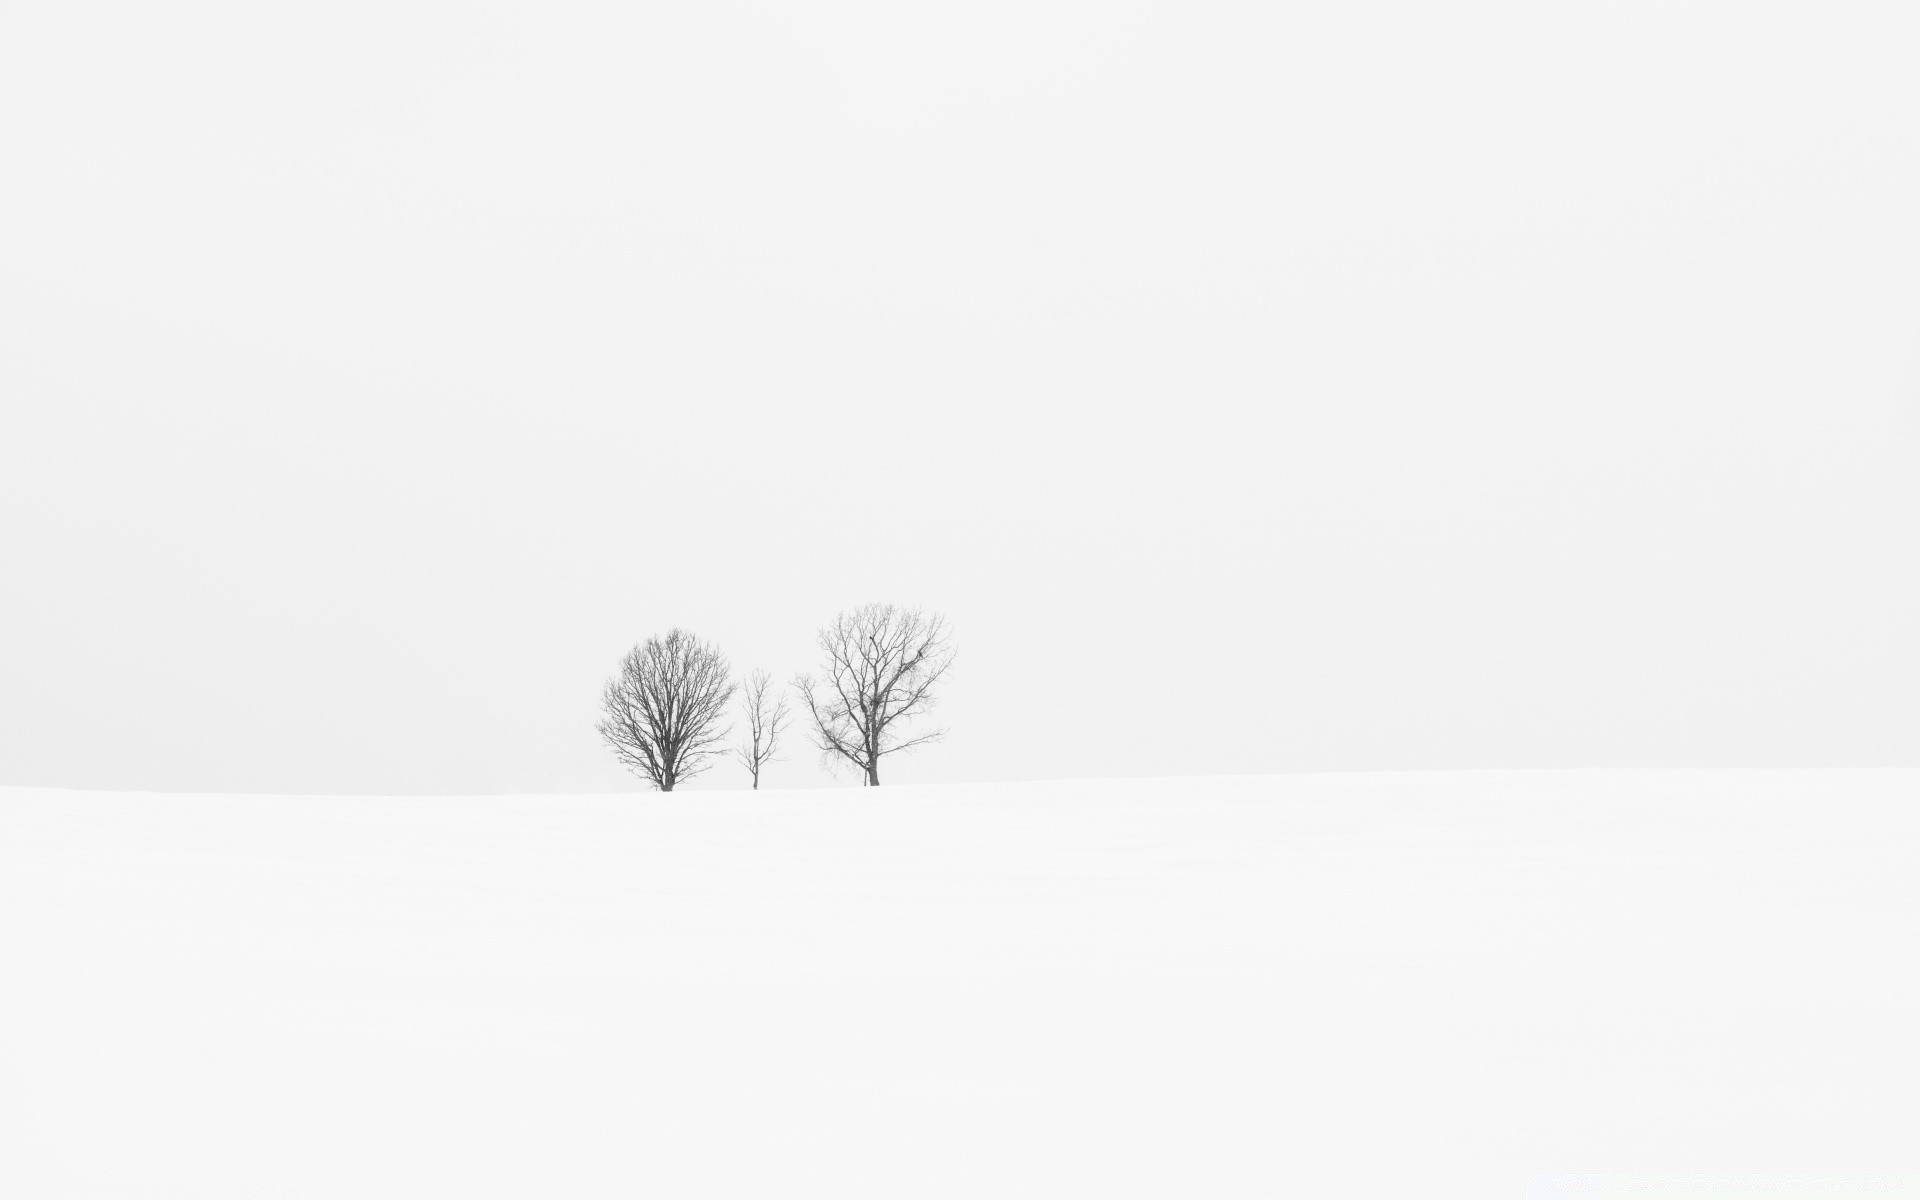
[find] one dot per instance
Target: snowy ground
(1472, 985)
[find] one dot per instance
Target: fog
(1254, 388)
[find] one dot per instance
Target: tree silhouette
(663, 708)
(881, 666)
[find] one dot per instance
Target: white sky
(1256, 387)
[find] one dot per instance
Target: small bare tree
(766, 717)
(663, 709)
(882, 665)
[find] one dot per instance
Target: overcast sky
(1256, 387)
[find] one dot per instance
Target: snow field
(1461, 984)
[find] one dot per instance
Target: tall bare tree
(663, 708)
(766, 718)
(881, 667)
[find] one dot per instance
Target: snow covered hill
(1406, 986)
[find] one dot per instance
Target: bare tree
(766, 717)
(882, 664)
(663, 709)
